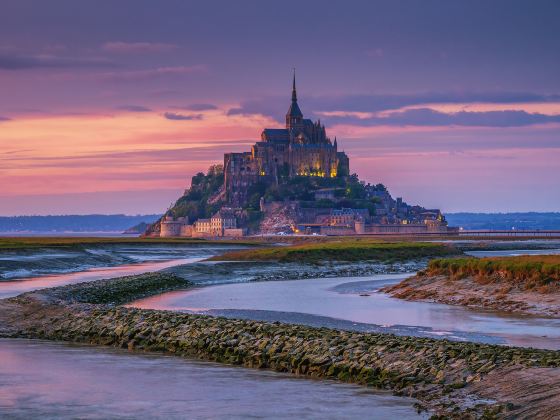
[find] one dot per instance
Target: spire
(294, 94)
(294, 116)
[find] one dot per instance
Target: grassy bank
(347, 250)
(540, 273)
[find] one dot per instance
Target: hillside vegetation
(535, 272)
(201, 200)
(206, 194)
(348, 250)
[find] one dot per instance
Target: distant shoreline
(100, 234)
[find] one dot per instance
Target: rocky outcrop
(278, 217)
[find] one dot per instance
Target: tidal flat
(346, 249)
(444, 377)
(449, 380)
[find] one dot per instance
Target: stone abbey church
(300, 149)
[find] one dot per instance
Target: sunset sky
(111, 106)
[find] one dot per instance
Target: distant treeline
(74, 223)
(505, 221)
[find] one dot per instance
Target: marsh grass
(539, 273)
(345, 250)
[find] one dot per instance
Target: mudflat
(452, 379)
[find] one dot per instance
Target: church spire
(294, 94)
(294, 117)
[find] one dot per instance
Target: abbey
(294, 180)
(300, 149)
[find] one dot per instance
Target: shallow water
(92, 263)
(16, 287)
(513, 252)
(41, 379)
(35, 262)
(333, 302)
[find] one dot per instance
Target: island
(294, 180)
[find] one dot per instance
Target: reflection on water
(88, 264)
(50, 380)
(32, 262)
(16, 287)
(355, 299)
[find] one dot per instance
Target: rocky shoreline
(448, 378)
(469, 292)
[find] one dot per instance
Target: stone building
(302, 148)
(347, 217)
(222, 223)
(203, 226)
(171, 227)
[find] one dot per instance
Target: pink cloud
(136, 75)
(137, 47)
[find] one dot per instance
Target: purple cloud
(429, 117)
(160, 72)
(137, 47)
(196, 107)
(272, 106)
(180, 117)
(25, 62)
(133, 108)
(4, 118)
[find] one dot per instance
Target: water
(34, 262)
(45, 380)
(355, 303)
(16, 287)
(27, 270)
(513, 252)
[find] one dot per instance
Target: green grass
(13, 243)
(345, 250)
(534, 272)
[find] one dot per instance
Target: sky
(111, 107)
